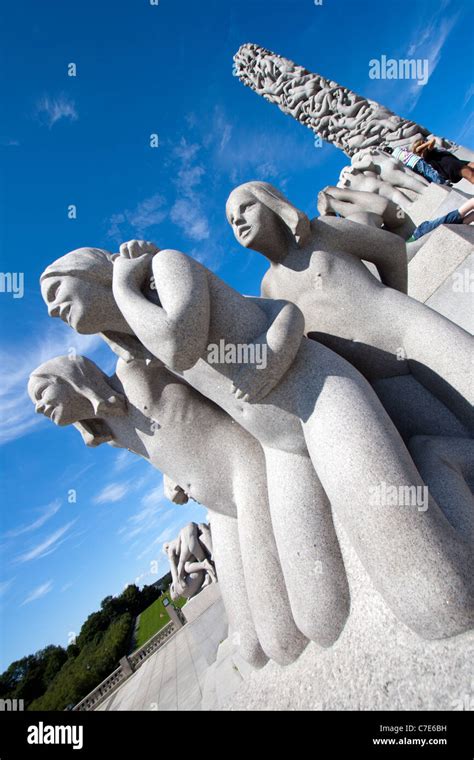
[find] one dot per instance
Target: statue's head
(77, 288)
(74, 391)
(264, 220)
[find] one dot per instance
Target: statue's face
(252, 221)
(58, 400)
(79, 303)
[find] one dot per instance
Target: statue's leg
(195, 546)
(228, 559)
(205, 565)
(415, 411)
(447, 467)
(440, 354)
(173, 569)
(308, 547)
(278, 633)
(414, 556)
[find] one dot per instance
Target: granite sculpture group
(364, 403)
(190, 558)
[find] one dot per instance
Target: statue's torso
(343, 305)
(172, 422)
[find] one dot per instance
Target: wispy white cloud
(124, 459)
(468, 96)
(112, 493)
(49, 511)
(241, 155)
(155, 497)
(428, 43)
(47, 546)
(148, 517)
(52, 109)
(186, 215)
(17, 415)
(136, 222)
(187, 212)
(38, 592)
(147, 549)
(465, 135)
(5, 586)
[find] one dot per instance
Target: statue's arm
(279, 346)
(176, 329)
(384, 249)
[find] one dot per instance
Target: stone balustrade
(128, 665)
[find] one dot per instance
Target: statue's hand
(132, 272)
(133, 249)
(251, 384)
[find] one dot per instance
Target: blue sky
(85, 140)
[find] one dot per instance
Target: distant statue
(191, 563)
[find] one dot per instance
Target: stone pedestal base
(200, 603)
(376, 664)
(441, 274)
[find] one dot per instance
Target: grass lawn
(154, 618)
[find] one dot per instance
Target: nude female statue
(169, 424)
(384, 333)
(307, 400)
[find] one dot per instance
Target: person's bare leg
(468, 173)
(466, 207)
